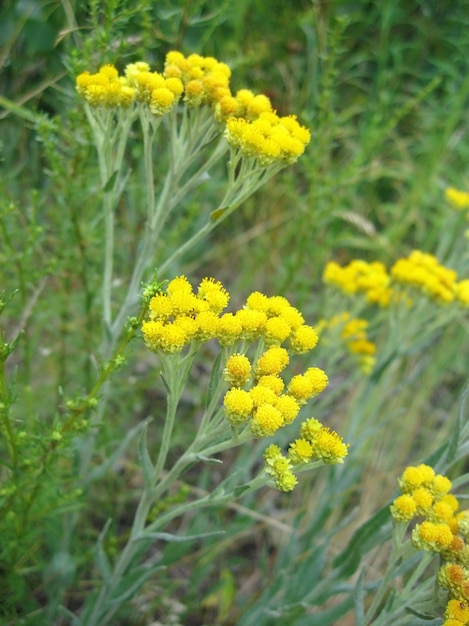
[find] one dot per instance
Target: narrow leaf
(144, 457)
(100, 554)
(175, 538)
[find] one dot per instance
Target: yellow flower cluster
(252, 127)
(442, 530)
(420, 271)
(423, 272)
(258, 398)
(458, 199)
(268, 138)
(177, 316)
(370, 279)
(315, 443)
(353, 331)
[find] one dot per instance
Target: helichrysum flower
(318, 379)
(329, 446)
(288, 407)
(262, 395)
(301, 388)
(404, 508)
(423, 272)
(458, 199)
(303, 339)
(273, 382)
(237, 370)
(214, 294)
(300, 451)
(370, 279)
(238, 405)
(269, 138)
(266, 421)
(277, 330)
(457, 610)
(423, 499)
(252, 323)
(273, 361)
(229, 329)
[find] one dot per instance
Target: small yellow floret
(404, 508)
(266, 421)
(272, 361)
(238, 405)
(303, 339)
(300, 451)
(237, 370)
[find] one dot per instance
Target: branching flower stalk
(245, 401)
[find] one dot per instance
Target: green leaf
(99, 471)
(110, 182)
(208, 459)
(74, 620)
(146, 464)
(373, 533)
(100, 554)
(214, 380)
(176, 538)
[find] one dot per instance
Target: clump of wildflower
(360, 277)
(269, 138)
(425, 495)
(420, 271)
(259, 397)
(105, 88)
(423, 272)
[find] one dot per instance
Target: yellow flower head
(301, 388)
(329, 446)
(303, 339)
(207, 325)
(252, 322)
(180, 284)
(404, 508)
(288, 407)
(266, 421)
(262, 395)
(458, 199)
(237, 370)
(318, 379)
(152, 332)
(291, 315)
(457, 610)
(273, 382)
(279, 467)
(310, 428)
(160, 307)
(257, 301)
(161, 100)
(172, 339)
(229, 329)
(273, 361)
(214, 294)
(300, 451)
(423, 499)
(276, 331)
(238, 405)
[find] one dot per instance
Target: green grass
(383, 86)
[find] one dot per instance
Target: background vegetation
(384, 88)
